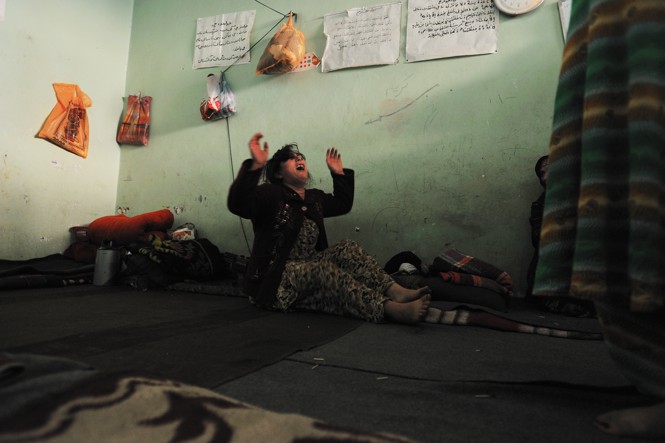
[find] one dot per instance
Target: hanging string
(228, 127)
(255, 43)
(264, 35)
(263, 4)
(233, 176)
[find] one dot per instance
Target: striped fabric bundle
(455, 267)
(460, 278)
(603, 235)
(464, 316)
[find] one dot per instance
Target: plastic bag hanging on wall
(284, 52)
(134, 129)
(221, 102)
(67, 124)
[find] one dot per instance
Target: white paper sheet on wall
(2, 10)
(223, 40)
(362, 37)
(450, 28)
(564, 15)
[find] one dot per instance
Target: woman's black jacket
(277, 213)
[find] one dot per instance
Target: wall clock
(516, 7)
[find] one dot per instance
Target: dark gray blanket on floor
(431, 382)
(195, 338)
(54, 270)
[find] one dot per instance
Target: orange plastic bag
(67, 124)
(284, 52)
(134, 128)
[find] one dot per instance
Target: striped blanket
(462, 269)
(603, 236)
(464, 316)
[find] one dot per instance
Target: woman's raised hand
(259, 155)
(334, 161)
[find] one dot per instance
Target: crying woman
(291, 266)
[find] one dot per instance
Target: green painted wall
(453, 169)
(44, 190)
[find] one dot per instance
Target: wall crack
(380, 117)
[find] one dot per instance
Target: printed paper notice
(564, 15)
(450, 28)
(223, 40)
(362, 37)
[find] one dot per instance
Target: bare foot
(408, 312)
(645, 422)
(400, 294)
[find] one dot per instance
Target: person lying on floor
(291, 266)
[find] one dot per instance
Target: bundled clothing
(463, 269)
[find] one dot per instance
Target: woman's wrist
(256, 165)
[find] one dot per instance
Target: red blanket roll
(123, 230)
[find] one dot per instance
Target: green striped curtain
(603, 235)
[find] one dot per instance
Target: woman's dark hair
(274, 165)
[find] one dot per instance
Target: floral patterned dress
(341, 280)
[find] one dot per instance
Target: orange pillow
(123, 230)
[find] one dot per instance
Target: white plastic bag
(221, 102)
